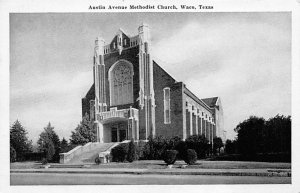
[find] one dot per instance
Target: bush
(199, 143)
(173, 142)
(169, 156)
(44, 161)
(191, 157)
(34, 156)
(97, 160)
(140, 150)
(119, 153)
(13, 155)
(131, 155)
(181, 148)
(155, 147)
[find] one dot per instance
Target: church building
(133, 97)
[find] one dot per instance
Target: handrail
(68, 156)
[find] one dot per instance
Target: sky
(244, 58)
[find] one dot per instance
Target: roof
(210, 101)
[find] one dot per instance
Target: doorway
(118, 132)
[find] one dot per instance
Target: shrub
(191, 157)
(169, 156)
(119, 153)
(97, 160)
(44, 161)
(199, 143)
(131, 155)
(173, 142)
(140, 148)
(181, 148)
(155, 147)
(13, 154)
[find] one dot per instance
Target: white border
(29, 6)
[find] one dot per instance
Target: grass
(159, 164)
(25, 165)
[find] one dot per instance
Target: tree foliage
(250, 135)
(19, 140)
(64, 146)
(49, 143)
(230, 146)
(13, 154)
(85, 132)
(255, 135)
(218, 144)
(278, 134)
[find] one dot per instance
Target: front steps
(90, 156)
(85, 154)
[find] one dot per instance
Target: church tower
(146, 92)
(99, 82)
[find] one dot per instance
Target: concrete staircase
(90, 156)
(85, 154)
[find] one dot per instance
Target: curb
(266, 174)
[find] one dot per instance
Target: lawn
(158, 164)
(25, 165)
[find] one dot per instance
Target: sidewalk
(174, 171)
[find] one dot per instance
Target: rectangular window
(167, 113)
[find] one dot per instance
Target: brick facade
(145, 115)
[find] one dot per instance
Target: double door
(119, 132)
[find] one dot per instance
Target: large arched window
(121, 83)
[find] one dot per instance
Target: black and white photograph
(151, 94)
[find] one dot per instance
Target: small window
(167, 114)
(125, 42)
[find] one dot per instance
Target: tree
(250, 135)
(255, 135)
(230, 146)
(64, 146)
(19, 140)
(84, 132)
(218, 144)
(49, 143)
(278, 134)
(13, 154)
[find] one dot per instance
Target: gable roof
(210, 101)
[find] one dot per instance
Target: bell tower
(99, 82)
(146, 92)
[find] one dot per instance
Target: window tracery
(121, 83)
